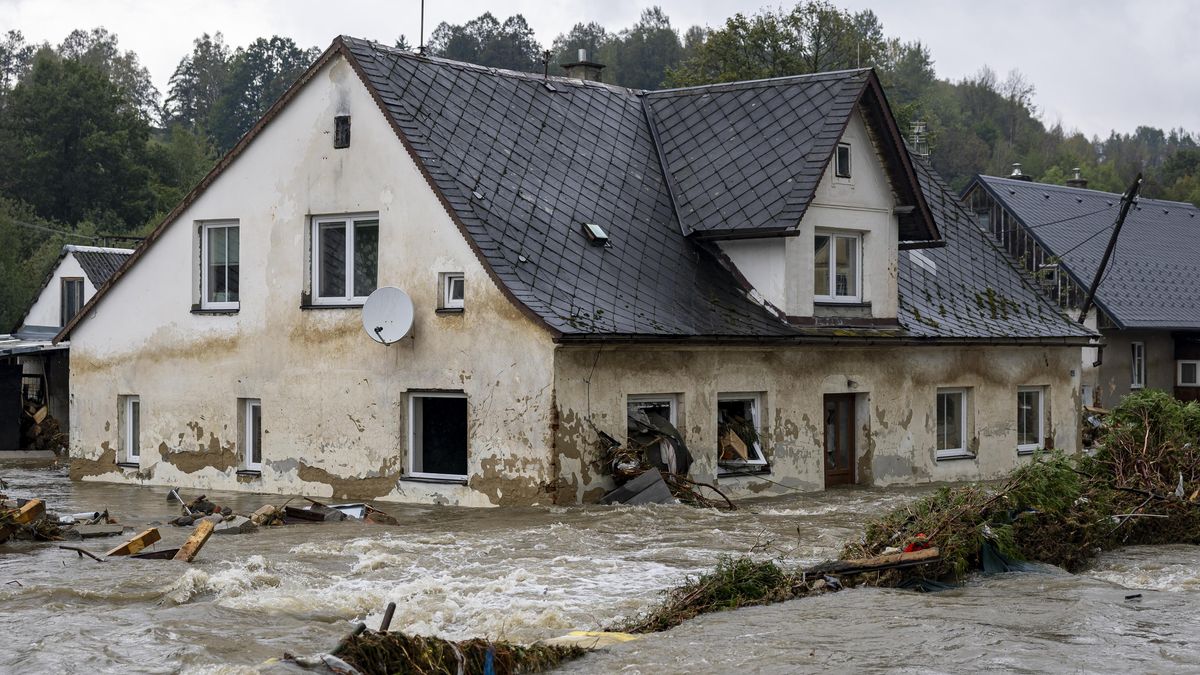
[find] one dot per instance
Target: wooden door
(839, 439)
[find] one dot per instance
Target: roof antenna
(546, 64)
(421, 44)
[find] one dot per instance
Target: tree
(198, 83)
(258, 76)
(73, 147)
(487, 42)
(589, 36)
(15, 59)
(98, 48)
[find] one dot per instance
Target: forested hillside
(91, 152)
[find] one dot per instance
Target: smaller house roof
(1153, 278)
(99, 263)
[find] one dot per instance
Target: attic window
(595, 234)
(341, 131)
(842, 161)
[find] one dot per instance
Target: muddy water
(525, 574)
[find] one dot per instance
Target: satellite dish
(388, 315)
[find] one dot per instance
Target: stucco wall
(1116, 369)
(47, 308)
(333, 401)
(897, 388)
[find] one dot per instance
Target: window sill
(253, 473)
(215, 312)
(826, 302)
(742, 471)
(955, 456)
(448, 310)
(129, 465)
(331, 306)
(440, 481)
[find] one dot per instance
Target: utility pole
(1127, 200)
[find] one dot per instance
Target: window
(452, 291)
(739, 445)
(842, 161)
(837, 267)
(437, 439)
(220, 253)
(652, 428)
(1188, 373)
(251, 425)
(341, 131)
(952, 423)
(131, 428)
(1137, 362)
(1031, 419)
(72, 298)
(345, 259)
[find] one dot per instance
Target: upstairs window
(341, 131)
(220, 265)
(453, 289)
(837, 267)
(1137, 363)
(72, 298)
(345, 259)
(842, 161)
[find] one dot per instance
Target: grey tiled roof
(1153, 278)
(99, 263)
(521, 165)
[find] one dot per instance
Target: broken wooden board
(99, 530)
(164, 554)
(29, 512)
(589, 639)
(137, 543)
(878, 564)
(192, 546)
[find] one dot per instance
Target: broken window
(837, 267)
(131, 426)
(220, 266)
(739, 445)
(1031, 415)
(842, 161)
(1188, 373)
(72, 298)
(345, 259)
(438, 435)
(453, 289)
(952, 423)
(1137, 375)
(652, 430)
(251, 424)
(341, 131)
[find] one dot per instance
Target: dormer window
(842, 161)
(837, 267)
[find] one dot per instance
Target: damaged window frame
(414, 447)
(131, 428)
(1040, 419)
(206, 229)
(252, 432)
(833, 297)
(350, 223)
(756, 461)
(964, 397)
(640, 401)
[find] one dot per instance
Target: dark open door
(10, 406)
(839, 439)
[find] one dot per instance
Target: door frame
(847, 476)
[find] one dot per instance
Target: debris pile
(655, 447)
(40, 429)
(383, 653)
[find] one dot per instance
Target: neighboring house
(762, 258)
(1147, 305)
(33, 369)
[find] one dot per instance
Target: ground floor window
(1137, 362)
(1188, 373)
(131, 428)
(1031, 418)
(252, 433)
(739, 446)
(952, 423)
(438, 435)
(653, 430)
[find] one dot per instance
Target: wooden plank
(192, 546)
(164, 554)
(31, 511)
(883, 562)
(136, 544)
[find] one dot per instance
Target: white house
(764, 257)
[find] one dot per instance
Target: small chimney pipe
(1078, 181)
(584, 69)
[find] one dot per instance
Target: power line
(43, 228)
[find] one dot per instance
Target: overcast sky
(1097, 65)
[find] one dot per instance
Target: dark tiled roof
(1153, 278)
(522, 165)
(970, 287)
(99, 263)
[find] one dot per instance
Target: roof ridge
(79, 248)
(754, 84)
(1070, 189)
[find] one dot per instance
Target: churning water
(527, 574)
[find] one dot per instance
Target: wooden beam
(192, 546)
(136, 544)
(31, 511)
(877, 564)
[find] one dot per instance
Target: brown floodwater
(531, 573)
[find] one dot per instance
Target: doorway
(839, 439)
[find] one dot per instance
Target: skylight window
(595, 234)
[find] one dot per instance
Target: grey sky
(1097, 65)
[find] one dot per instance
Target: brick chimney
(1078, 181)
(1017, 175)
(584, 69)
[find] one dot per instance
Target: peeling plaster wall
(895, 407)
(334, 403)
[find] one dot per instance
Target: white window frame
(205, 303)
(1179, 373)
(348, 221)
(1137, 365)
(755, 399)
(412, 434)
(448, 299)
(248, 406)
(964, 394)
(837, 164)
(834, 235)
(672, 400)
(1026, 448)
(131, 445)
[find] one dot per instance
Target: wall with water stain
(896, 390)
(334, 403)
